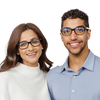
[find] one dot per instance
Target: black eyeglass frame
(74, 30)
(29, 43)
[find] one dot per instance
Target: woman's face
(30, 55)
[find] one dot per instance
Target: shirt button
(73, 91)
(74, 76)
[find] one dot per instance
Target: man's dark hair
(75, 13)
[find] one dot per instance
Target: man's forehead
(72, 23)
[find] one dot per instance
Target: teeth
(31, 54)
(74, 43)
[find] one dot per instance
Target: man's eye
(66, 30)
(79, 29)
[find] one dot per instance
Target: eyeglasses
(34, 42)
(78, 30)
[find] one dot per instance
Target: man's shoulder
(97, 61)
(54, 71)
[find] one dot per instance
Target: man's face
(73, 42)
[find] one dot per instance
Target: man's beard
(77, 53)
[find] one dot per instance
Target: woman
(23, 72)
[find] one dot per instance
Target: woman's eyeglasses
(78, 30)
(34, 42)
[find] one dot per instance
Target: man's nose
(73, 35)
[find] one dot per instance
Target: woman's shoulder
(8, 73)
(4, 78)
(44, 73)
(4, 75)
(5, 82)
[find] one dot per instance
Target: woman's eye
(35, 41)
(22, 44)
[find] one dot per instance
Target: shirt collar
(88, 64)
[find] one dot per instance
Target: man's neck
(76, 61)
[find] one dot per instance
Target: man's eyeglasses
(78, 30)
(34, 42)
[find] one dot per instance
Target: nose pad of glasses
(73, 31)
(30, 46)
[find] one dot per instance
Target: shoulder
(4, 78)
(54, 71)
(44, 73)
(94, 62)
(6, 75)
(5, 83)
(97, 61)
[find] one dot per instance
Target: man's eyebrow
(75, 27)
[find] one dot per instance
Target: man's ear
(59, 34)
(59, 37)
(90, 34)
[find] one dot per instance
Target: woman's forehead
(28, 35)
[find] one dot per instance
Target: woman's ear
(17, 52)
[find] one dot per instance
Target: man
(79, 77)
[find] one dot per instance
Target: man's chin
(75, 52)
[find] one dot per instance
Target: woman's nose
(30, 47)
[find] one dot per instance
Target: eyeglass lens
(34, 43)
(77, 30)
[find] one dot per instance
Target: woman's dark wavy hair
(12, 58)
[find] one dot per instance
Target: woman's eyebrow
(35, 38)
(30, 39)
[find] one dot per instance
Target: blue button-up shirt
(65, 84)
